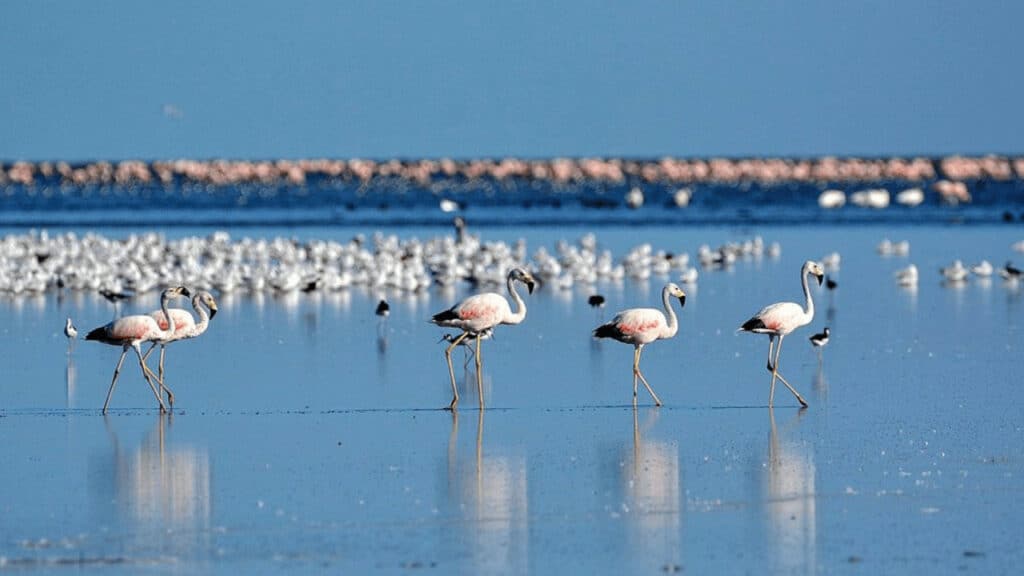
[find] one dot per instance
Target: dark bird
(114, 297)
(383, 309)
(1010, 272)
(596, 301)
(820, 339)
(830, 283)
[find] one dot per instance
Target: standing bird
(383, 309)
(641, 326)
(480, 313)
(71, 332)
(131, 332)
(830, 283)
(779, 320)
(596, 301)
(449, 338)
(820, 340)
(185, 327)
(1010, 272)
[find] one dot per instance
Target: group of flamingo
(478, 315)
(160, 327)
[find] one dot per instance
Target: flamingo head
(812, 267)
(176, 291)
(523, 276)
(207, 299)
(677, 292)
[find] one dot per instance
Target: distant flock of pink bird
(559, 171)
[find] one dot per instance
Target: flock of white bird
(37, 262)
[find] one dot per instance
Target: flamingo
(641, 326)
(480, 313)
(131, 332)
(781, 318)
(185, 327)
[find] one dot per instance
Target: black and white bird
(830, 283)
(383, 309)
(1010, 272)
(71, 332)
(820, 340)
(596, 301)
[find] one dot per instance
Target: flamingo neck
(204, 317)
(670, 313)
(520, 312)
(169, 332)
(809, 307)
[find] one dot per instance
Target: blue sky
(151, 80)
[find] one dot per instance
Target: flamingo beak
(184, 292)
(820, 277)
(213, 312)
(682, 300)
(529, 286)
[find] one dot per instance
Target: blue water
(308, 436)
(387, 202)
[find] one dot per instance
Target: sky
(383, 79)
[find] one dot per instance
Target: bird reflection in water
(651, 487)
(790, 501)
(163, 490)
(70, 378)
(492, 495)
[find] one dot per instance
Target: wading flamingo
(641, 326)
(780, 319)
(185, 327)
(131, 332)
(478, 314)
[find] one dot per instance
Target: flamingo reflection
(652, 486)
(493, 497)
(790, 500)
(164, 491)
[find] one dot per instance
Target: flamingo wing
(779, 318)
(633, 326)
(126, 329)
(476, 313)
(183, 320)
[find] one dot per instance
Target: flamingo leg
(145, 374)
(479, 373)
(170, 395)
(636, 371)
(775, 374)
(160, 378)
(657, 401)
(117, 372)
(771, 368)
(451, 370)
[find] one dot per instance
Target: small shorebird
(820, 340)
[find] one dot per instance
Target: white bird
(689, 276)
(682, 197)
(907, 276)
(910, 197)
(641, 326)
(955, 272)
(131, 332)
(871, 198)
(983, 269)
(185, 327)
(635, 198)
(831, 261)
(832, 199)
(71, 332)
(779, 319)
(480, 313)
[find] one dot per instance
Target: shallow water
(308, 434)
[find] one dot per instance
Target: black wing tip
(753, 324)
(97, 333)
(446, 316)
(606, 331)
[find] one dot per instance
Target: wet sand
(307, 434)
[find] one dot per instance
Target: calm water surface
(307, 434)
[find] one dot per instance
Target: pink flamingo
(477, 315)
(780, 319)
(641, 326)
(131, 332)
(185, 327)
